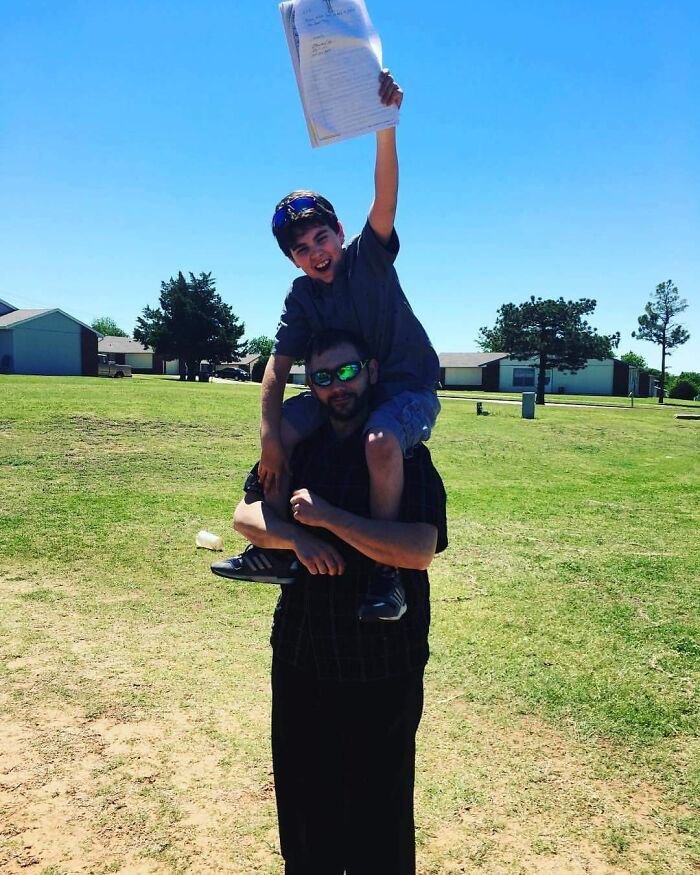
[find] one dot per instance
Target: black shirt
(315, 625)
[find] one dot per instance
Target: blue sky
(548, 148)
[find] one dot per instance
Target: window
(524, 377)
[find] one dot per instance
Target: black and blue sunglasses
(344, 373)
(292, 209)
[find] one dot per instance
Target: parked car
(233, 374)
(107, 368)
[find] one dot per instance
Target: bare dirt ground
(81, 795)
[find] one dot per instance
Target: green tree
(192, 323)
(633, 359)
(657, 325)
(260, 345)
(551, 331)
(107, 326)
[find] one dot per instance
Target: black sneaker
(259, 566)
(386, 598)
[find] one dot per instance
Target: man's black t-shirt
(315, 625)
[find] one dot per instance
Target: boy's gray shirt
(365, 298)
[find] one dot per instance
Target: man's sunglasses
(292, 209)
(344, 373)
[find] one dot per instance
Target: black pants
(344, 763)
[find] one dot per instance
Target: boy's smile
(318, 252)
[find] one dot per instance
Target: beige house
(142, 359)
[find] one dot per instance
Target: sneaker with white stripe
(259, 566)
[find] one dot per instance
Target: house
(498, 372)
(47, 341)
(609, 376)
(247, 362)
(143, 359)
(470, 370)
(297, 375)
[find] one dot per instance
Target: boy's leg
(385, 598)
(385, 463)
(393, 429)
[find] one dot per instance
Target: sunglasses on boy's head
(344, 373)
(291, 209)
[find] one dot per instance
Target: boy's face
(318, 252)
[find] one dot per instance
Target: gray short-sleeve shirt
(366, 298)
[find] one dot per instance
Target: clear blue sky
(548, 148)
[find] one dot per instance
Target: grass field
(588, 400)
(561, 726)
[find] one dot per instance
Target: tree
(551, 331)
(192, 323)
(633, 359)
(107, 326)
(261, 346)
(657, 325)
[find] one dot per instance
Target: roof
(110, 343)
(297, 369)
(248, 359)
(6, 306)
(17, 317)
(469, 359)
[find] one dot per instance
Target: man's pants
(344, 763)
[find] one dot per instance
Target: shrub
(684, 389)
(258, 369)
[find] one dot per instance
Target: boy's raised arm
(386, 171)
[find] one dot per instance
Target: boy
(353, 288)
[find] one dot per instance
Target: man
(347, 696)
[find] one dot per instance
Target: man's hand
(273, 464)
(317, 556)
(389, 90)
(309, 509)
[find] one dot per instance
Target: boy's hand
(273, 464)
(389, 91)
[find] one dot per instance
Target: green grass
(561, 709)
(589, 400)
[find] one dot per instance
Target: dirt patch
(157, 795)
(100, 795)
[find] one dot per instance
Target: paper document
(337, 57)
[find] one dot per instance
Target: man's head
(340, 373)
(307, 230)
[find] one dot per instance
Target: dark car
(233, 374)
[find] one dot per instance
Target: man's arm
(272, 460)
(258, 522)
(386, 170)
(404, 545)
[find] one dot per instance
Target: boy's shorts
(409, 416)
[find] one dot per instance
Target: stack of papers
(337, 57)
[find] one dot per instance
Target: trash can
(529, 405)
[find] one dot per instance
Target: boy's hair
(299, 222)
(332, 337)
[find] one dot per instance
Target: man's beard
(352, 407)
